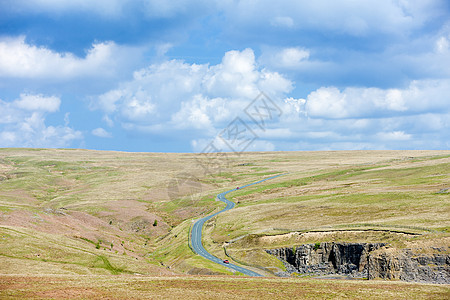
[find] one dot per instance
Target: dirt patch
(201, 271)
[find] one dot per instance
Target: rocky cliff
(368, 260)
(410, 265)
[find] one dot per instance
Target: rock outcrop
(407, 265)
(364, 260)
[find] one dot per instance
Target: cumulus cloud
(416, 117)
(22, 123)
(423, 131)
(174, 96)
(295, 105)
(18, 59)
(183, 95)
(346, 43)
(419, 97)
(200, 113)
(158, 90)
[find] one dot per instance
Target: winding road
(196, 235)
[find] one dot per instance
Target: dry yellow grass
(91, 212)
(390, 193)
(211, 287)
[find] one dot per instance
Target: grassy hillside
(99, 212)
(402, 201)
(80, 210)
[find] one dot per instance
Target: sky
(214, 76)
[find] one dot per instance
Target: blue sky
(171, 76)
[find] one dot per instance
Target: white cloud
(158, 89)
(183, 96)
(235, 76)
(100, 132)
(196, 113)
(38, 103)
(138, 109)
(429, 130)
(19, 59)
(420, 97)
(201, 100)
(286, 58)
(298, 105)
(423, 131)
(381, 43)
(23, 123)
(293, 56)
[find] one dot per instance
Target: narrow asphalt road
(196, 235)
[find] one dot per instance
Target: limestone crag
(410, 266)
(368, 260)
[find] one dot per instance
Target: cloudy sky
(182, 76)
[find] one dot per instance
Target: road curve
(196, 235)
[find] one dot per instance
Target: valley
(67, 212)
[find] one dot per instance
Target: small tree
(155, 223)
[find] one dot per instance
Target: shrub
(316, 245)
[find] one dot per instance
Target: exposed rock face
(364, 260)
(409, 266)
(327, 258)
